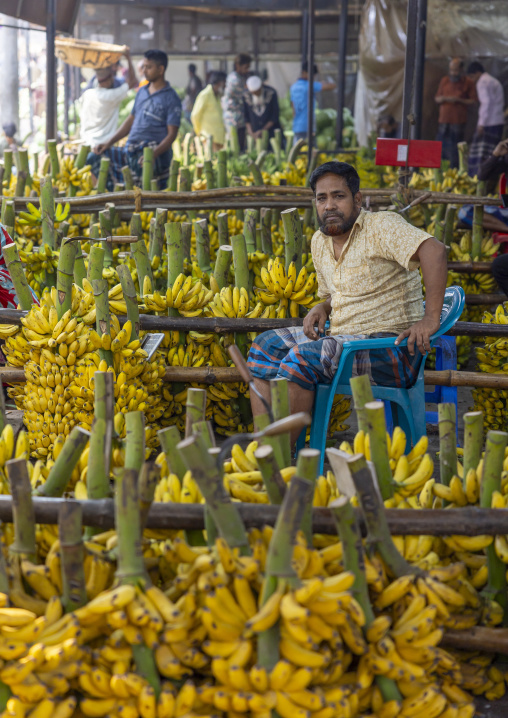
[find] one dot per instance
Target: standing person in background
(299, 93)
(153, 122)
(206, 115)
(260, 107)
(118, 77)
(100, 104)
(489, 129)
(232, 102)
(455, 92)
(192, 90)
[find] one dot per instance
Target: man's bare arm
(432, 257)
(122, 132)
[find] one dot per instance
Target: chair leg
(389, 416)
(320, 420)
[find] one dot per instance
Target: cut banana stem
(240, 261)
(205, 473)
(156, 248)
(82, 155)
(205, 429)
(175, 252)
(266, 230)
(65, 278)
(375, 518)
(223, 264)
(60, 472)
(362, 394)
(272, 478)
(249, 229)
(47, 204)
(131, 302)
(209, 174)
(473, 440)
(15, 267)
(447, 442)
(131, 565)
(134, 440)
(477, 232)
(149, 477)
(307, 467)
(451, 211)
(261, 421)
(279, 391)
(354, 561)
(8, 161)
(72, 553)
(174, 168)
(202, 244)
(147, 167)
(22, 510)
(128, 179)
(96, 264)
(102, 179)
(222, 168)
(102, 316)
(106, 226)
(79, 268)
(53, 156)
(293, 238)
(169, 439)
(223, 228)
(257, 177)
(376, 428)
(97, 482)
(195, 408)
(187, 240)
(140, 253)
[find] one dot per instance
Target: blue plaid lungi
(129, 156)
(482, 147)
(288, 354)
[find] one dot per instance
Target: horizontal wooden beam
(433, 522)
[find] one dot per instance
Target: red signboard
(394, 153)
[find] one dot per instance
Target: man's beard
(332, 226)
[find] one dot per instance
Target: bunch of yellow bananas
(493, 359)
(188, 295)
(71, 175)
(280, 286)
(230, 302)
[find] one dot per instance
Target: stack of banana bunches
(230, 622)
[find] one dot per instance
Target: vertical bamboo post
(447, 442)
(175, 255)
(235, 143)
(82, 155)
(157, 246)
(8, 156)
(451, 211)
(257, 177)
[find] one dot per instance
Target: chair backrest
(453, 306)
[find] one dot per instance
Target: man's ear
(358, 199)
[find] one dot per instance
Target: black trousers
(500, 271)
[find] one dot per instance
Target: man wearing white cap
(261, 108)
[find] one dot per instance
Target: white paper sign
(402, 153)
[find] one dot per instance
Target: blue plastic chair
(408, 405)
(446, 358)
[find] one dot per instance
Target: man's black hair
(341, 169)
(305, 67)
(216, 76)
(475, 67)
(192, 68)
(157, 56)
(9, 128)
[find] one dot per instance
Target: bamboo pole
(72, 552)
(24, 543)
(17, 273)
(98, 473)
(473, 440)
(169, 439)
(447, 442)
(222, 510)
(22, 172)
(376, 428)
(60, 473)
(65, 278)
(234, 141)
(222, 265)
(202, 244)
(205, 428)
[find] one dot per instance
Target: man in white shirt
(489, 129)
(100, 104)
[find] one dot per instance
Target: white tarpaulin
(470, 30)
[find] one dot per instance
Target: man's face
(475, 76)
(105, 78)
(219, 88)
(336, 208)
(244, 69)
(153, 71)
(455, 70)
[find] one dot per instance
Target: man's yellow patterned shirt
(374, 286)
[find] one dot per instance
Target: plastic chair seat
(408, 405)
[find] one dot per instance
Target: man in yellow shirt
(206, 115)
(367, 270)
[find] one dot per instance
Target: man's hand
(479, 130)
(101, 148)
(420, 334)
(501, 149)
(317, 315)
